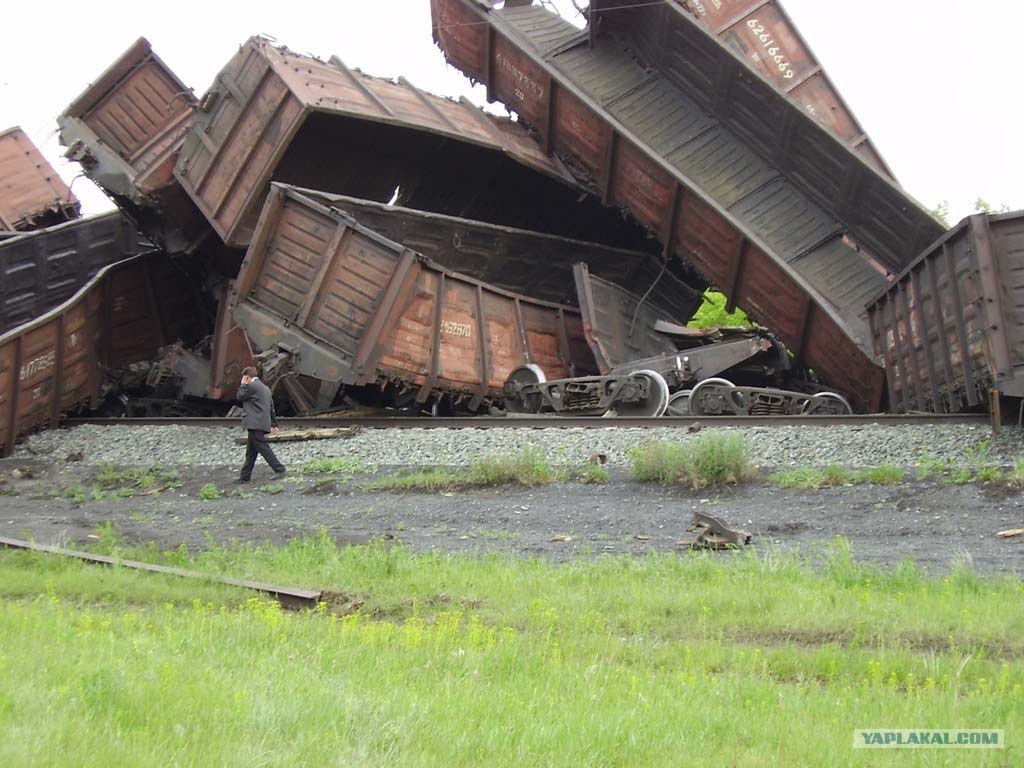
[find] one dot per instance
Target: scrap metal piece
(714, 533)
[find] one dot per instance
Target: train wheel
(679, 403)
(516, 401)
(833, 405)
(654, 404)
(712, 398)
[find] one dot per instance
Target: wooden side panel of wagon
(39, 270)
(354, 307)
(765, 37)
(32, 194)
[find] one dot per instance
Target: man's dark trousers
(257, 445)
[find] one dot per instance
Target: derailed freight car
(951, 327)
(765, 37)
(57, 362)
(32, 194)
(39, 270)
(333, 300)
(678, 152)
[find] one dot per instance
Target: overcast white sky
(930, 80)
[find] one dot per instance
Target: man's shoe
(281, 472)
(242, 480)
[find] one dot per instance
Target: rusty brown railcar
(348, 306)
(39, 270)
(696, 180)
(518, 260)
(32, 194)
(125, 130)
(765, 37)
(275, 115)
(950, 328)
(56, 363)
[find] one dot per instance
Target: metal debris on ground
(714, 533)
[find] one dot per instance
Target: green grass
(345, 465)
(805, 478)
(713, 459)
(592, 474)
(424, 479)
(272, 488)
(111, 476)
(210, 492)
(459, 661)
(528, 467)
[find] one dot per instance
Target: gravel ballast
(770, 447)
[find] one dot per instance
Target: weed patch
(713, 459)
(337, 465)
(210, 492)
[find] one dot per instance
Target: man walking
(258, 418)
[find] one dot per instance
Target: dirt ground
(929, 522)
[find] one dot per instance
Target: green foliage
(111, 476)
(209, 492)
(808, 478)
(982, 206)
(77, 493)
(712, 313)
(337, 464)
(976, 465)
(1016, 474)
(886, 474)
(272, 488)
(528, 467)
(713, 459)
(425, 479)
(593, 474)
(465, 661)
(941, 212)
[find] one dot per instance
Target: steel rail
(551, 422)
(289, 597)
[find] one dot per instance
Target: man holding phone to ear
(258, 418)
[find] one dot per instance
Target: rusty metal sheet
(950, 327)
(231, 352)
(765, 37)
(694, 181)
(54, 364)
(356, 307)
(621, 326)
(43, 268)
(518, 260)
(32, 194)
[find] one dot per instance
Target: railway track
(555, 422)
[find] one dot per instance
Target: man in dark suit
(258, 418)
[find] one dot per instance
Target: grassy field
(442, 660)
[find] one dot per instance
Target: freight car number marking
(523, 80)
(456, 329)
(37, 365)
(701, 10)
(773, 50)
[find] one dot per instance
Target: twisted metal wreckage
(365, 241)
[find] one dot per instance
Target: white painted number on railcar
(698, 6)
(37, 365)
(772, 48)
(524, 83)
(456, 329)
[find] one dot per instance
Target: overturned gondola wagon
(324, 297)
